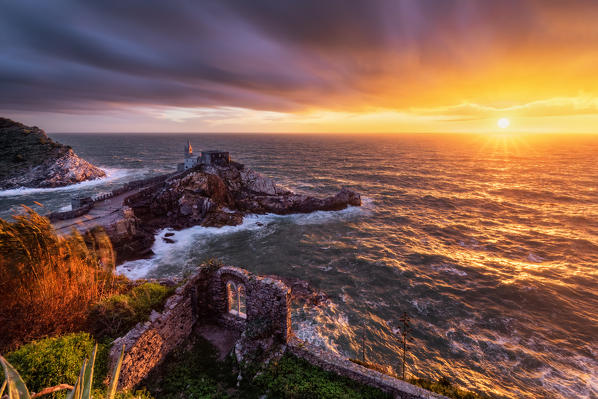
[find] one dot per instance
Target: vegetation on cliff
(63, 284)
(29, 158)
(22, 147)
(49, 280)
(59, 286)
(73, 366)
(116, 315)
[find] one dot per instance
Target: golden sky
(310, 66)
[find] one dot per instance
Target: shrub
(139, 394)
(49, 280)
(48, 361)
(212, 264)
(116, 315)
(53, 361)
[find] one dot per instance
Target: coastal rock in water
(29, 158)
(219, 195)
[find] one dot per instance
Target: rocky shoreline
(211, 196)
(29, 158)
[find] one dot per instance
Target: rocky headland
(212, 196)
(29, 158)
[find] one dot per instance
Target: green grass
(116, 315)
(197, 373)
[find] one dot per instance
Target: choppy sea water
(489, 243)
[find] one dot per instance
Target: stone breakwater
(86, 204)
(29, 158)
(209, 298)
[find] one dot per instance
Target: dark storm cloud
(266, 54)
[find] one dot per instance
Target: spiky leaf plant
(82, 389)
(14, 383)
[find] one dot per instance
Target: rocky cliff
(29, 158)
(214, 195)
(219, 195)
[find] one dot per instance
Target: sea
(489, 243)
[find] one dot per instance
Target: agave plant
(16, 388)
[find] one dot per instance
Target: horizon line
(508, 133)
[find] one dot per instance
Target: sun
(503, 123)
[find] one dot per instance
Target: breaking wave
(175, 252)
(112, 175)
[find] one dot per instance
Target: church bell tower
(188, 150)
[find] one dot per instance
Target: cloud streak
(298, 57)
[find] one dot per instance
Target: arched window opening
(236, 299)
(231, 296)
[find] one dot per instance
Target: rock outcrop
(29, 158)
(218, 195)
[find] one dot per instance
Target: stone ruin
(250, 305)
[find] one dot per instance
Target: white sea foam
(112, 174)
(323, 326)
(177, 254)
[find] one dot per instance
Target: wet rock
(301, 291)
(221, 195)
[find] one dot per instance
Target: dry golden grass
(48, 281)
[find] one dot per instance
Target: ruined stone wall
(332, 362)
(54, 216)
(203, 299)
(147, 344)
(268, 302)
